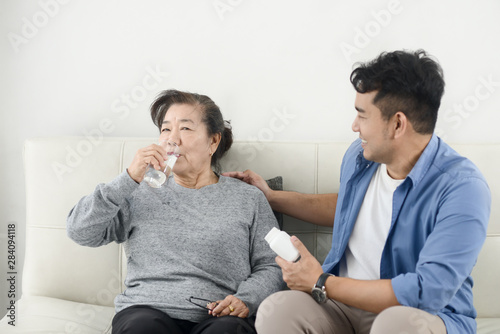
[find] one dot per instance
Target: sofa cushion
(488, 325)
(36, 314)
(276, 183)
(61, 269)
(485, 275)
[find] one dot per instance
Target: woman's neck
(196, 181)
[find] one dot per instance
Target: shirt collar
(420, 169)
(425, 161)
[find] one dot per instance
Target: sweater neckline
(178, 187)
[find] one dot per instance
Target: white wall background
(279, 69)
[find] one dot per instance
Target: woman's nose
(174, 136)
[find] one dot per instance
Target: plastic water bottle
(155, 178)
(280, 243)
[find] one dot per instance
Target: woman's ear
(215, 141)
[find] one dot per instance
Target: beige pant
(290, 312)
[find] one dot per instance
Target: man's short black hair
(410, 82)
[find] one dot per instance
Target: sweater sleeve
(102, 216)
(265, 278)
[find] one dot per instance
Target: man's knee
(281, 307)
(403, 319)
(276, 305)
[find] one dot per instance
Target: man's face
(373, 129)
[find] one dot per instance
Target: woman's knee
(227, 324)
(139, 320)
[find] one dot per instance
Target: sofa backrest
(59, 171)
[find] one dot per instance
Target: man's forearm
(318, 209)
(372, 296)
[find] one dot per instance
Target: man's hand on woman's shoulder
(253, 179)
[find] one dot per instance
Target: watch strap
(322, 280)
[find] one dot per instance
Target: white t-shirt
(367, 241)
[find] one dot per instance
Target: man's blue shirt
(439, 222)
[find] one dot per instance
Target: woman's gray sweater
(181, 242)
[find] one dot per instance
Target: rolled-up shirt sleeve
(450, 250)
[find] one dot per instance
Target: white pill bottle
(280, 242)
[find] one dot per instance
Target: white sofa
(68, 288)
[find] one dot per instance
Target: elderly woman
(196, 256)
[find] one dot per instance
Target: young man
(408, 222)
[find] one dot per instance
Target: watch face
(319, 295)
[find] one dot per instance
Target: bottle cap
(272, 234)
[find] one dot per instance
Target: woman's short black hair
(211, 117)
(410, 82)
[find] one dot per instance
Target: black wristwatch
(319, 291)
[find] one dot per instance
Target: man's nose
(355, 126)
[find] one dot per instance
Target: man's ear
(400, 124)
